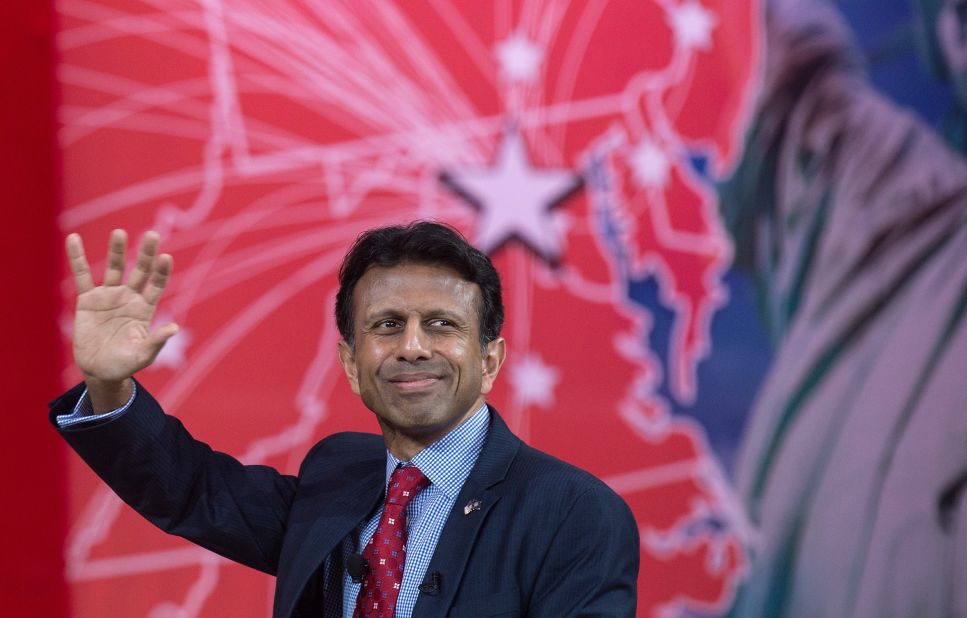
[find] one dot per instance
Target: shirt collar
(448, 461)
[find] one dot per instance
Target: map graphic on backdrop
(575, 142)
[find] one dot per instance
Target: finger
(115, 257)
(157, 340)
(78, 263)
(163, 265)
(142, 267)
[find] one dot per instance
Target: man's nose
(414, 343)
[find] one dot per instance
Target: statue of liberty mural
(851, 214)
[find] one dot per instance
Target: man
(448, 514)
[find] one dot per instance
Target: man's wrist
(106, 396)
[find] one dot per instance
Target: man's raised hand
(112, 325)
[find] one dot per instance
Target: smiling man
(446, 514)
(414, 353)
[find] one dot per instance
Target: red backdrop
(34, 514)
(559, 136)
(260, 141)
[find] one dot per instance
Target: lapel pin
(473, 505)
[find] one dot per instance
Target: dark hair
(420, 242)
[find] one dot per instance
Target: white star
(519, 58)
(650, 164)
(534, 381)
(515, 199)
(693, 24)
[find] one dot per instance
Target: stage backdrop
(583, 145)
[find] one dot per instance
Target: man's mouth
(414, 381)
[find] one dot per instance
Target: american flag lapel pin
(473, 505)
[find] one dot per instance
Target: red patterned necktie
(386, 551)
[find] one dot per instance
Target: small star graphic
(519, 58)
(692, 24)
(650, 164)
(515, 199)
(534, 381)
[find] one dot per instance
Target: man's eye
(387, 324)
(441, 322)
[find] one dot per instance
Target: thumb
(158, 337)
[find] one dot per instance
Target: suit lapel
(335, 516)
(480, 493)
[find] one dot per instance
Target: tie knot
(404, 484)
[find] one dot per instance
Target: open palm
(112, 325)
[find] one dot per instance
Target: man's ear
(348, 360)
(493, 359)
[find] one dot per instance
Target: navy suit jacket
(547, 540)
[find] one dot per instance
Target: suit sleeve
(591, 568)
(181, 485)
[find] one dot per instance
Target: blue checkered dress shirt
(447, 463)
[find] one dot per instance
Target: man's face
(417, 361)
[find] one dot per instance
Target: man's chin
(421, 425)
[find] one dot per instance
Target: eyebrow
(424, 314)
